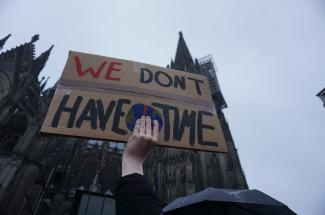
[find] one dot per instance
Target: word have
(95, 111)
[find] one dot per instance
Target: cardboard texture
(100, 98)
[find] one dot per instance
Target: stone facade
(25, 157)
(40, 175)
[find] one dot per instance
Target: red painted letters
(110, 69)
(96, 74)
(89, 69)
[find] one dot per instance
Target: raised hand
(143, 139)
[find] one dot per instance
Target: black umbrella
(227, 202)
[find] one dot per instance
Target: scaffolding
(209, 69)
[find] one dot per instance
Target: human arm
(143, 139)
(134, 195)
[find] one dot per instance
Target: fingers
(142, 125)
(155, 131)
(148, 126)
(136, 127)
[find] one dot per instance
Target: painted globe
(137, 110)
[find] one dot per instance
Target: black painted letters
(117, 116)
(103, 117)
(201, 126)
(142, 76)
(166, 108)
(188, 120)
(62, 108)
(197, 84)
(89, 113)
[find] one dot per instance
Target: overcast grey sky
(271, 63)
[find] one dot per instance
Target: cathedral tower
(178, 172)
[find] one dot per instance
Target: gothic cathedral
(44, 174)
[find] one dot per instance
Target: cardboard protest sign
(101, 98)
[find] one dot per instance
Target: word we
(112, 66)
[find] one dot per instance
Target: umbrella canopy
(227, 202)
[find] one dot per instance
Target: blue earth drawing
(137, 110)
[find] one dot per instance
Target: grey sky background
(270, 59)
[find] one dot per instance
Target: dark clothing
(134, 195)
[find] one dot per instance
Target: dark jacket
(134, 195)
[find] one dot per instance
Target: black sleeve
(134, 195)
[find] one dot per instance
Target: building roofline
(321, 92)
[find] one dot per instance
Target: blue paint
(137, 110)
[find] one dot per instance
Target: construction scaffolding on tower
(209, 70)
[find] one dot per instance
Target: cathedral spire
(183, 59)
(3, 41)
(39, 62)
(34, 38)
(44, 83)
